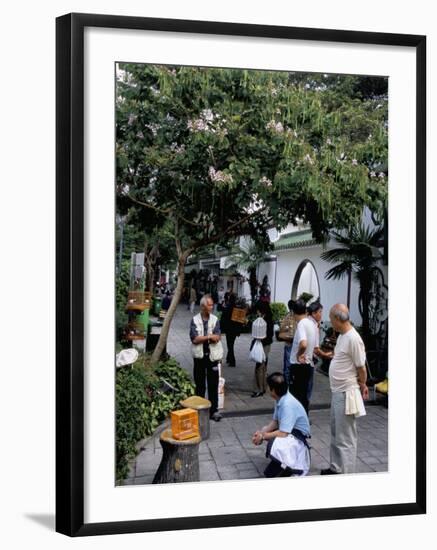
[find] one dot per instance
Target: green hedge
(279, 311)
(143, 400)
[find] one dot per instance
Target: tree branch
(230, 231)
(164, 211)
(147, 205)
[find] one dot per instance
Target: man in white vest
(207, 352)
(347, 378)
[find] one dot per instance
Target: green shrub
(279, 311)
(144, 397)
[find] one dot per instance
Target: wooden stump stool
(180, 459)
(202, 406)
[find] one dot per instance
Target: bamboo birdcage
(138, 300)
(135, 331)
(238, 315)
(184, 424)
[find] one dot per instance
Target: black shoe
(216, 417)
(257, 394)
(328, 472)
(231, 365)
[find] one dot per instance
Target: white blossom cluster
(381, 175)
(217, 176)
(132, 119)
(278, 128)
(126, 77)
(275, 89)
(177, 148)
(197, 125)
(208, 122)
(266, 181)
(274, 126)
(153, 127)
(308, 158)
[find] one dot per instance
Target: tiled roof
(298, 239)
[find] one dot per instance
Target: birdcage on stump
(184, 423)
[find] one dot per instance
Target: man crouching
(286, 434)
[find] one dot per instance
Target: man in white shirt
(301, 355)
(347, 377)
(315, 311)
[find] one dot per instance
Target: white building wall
(331, 292)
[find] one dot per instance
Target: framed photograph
(218, 172)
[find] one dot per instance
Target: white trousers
(344, 437)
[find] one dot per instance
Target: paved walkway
(230, 454)
(239, 379)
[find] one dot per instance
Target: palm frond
(339, 271)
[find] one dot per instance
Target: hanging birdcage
(135, 331)
(259, 329)
(138, 300)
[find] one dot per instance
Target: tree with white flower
(213, 139)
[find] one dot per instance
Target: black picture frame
(70, 273)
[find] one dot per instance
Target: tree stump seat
(203, 407)
(180, 459)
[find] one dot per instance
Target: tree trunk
(150, 277)
(160, 346)
(180, 459)
(349, 281)
(253, 283)
(365, 292)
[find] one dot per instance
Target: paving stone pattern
(239, 379)
(230, 454)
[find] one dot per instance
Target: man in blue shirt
(286, 434)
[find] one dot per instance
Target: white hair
(339, 313)
(204, 299)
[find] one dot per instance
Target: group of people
(288, 433)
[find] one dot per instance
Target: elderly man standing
(347, 377)
(207, 351)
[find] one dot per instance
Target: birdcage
(184, 424)
(238, 315)
(259, 328)
(135, 331)
(138, 300)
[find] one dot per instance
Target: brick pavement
(239, 379)
(230, 454)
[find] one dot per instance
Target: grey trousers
(261, 373)
(344, 437)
